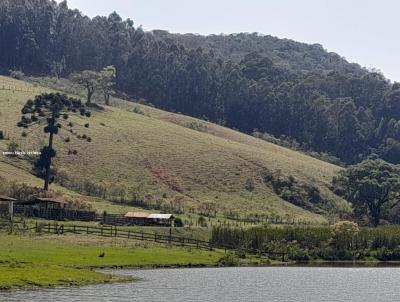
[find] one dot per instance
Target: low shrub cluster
(196, 125)
(17, 74)
(298, 193)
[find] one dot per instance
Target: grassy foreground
(46, 261)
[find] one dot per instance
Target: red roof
(136, 215)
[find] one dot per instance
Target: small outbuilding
(163, 219)
(45, 203)
(136, 217)
(7, 205)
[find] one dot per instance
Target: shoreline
(332, 264)
(113, 278)
(57, 262)
(116, 278)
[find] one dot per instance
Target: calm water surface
(250, 284)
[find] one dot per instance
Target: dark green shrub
(385, 254)
(137, 110)
(196, 125)
(230, 259)
(178, 222)
(249, 185)
(202, 221)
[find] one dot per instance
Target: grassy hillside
(162, 157)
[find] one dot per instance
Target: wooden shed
(7, 205)
(44, 202)
(161, 219)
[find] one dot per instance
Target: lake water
(250, 284)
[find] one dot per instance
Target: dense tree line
(344, 241)
(245, 81)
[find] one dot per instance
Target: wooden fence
(27, 89)
(114, 232)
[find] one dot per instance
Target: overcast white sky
(363, 31)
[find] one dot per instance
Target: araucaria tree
(372, 186)
(50, 110)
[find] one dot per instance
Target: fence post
(115, 233)
(129, 234)
(87, 230)
(101, 230)
(48, 228)
(36, 227)
(74, 229)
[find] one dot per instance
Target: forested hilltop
(245, 81)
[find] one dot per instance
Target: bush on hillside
(17, 74)
(196, 125)
(298, 193)
(202, 221)
(178, 222)
(12, 147)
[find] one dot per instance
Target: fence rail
(19, 89)
(112, 231)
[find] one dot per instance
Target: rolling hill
(163, 157)
(313, 98)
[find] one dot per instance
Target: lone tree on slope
(93, 81)
(372, 187)
(106, 82)
(89, 80)
(49, 111)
